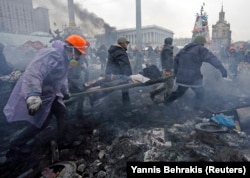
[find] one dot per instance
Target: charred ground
(109, 134)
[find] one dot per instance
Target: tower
(221, 33)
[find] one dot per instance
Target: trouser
(125, 97)
(103, 64)
(234, 69)
(181, 90)
(80, 106)
(31, 131)
(167, 86)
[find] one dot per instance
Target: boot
(152, 95)
(155, 92)
(126, 98)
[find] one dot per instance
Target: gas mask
(72, 61)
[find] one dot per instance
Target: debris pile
(109, 135)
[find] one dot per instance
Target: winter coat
(118, 61)
(167, 61)
(233, 61)
(102, 54)
(188, 62)
(46, 76)
(241, 56)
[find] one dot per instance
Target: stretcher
(92, 90)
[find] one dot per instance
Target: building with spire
(221, 33)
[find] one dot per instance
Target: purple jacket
(46, 75)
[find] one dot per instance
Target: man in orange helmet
(75, 78)
(39, 92)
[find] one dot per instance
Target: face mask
(70, 58)
(73, 63)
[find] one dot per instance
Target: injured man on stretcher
(150, 72)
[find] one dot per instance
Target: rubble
(110, 135)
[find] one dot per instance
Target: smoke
(89, 23)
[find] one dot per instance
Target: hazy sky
(176, 15)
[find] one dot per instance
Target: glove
(224, 73)
(33, 104)
(66, 96)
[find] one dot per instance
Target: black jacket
(188, 62)
(167, 61)
(118, 61)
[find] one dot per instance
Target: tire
(210, 127)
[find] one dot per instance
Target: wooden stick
(123, 86)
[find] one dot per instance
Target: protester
(39, 92)
(139, 60)
(233, 61)
(78, 74)
(187, 65)
(118, 63)
(102, 54)
(167, 69)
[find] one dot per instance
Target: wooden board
(244, 118)
(76, 96)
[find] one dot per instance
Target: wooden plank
(75, 96)
(244, 118)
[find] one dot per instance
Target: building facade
(18, 16)
(221, 33)
(151, 35)
(41, 20)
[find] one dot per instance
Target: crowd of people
(233, 56)
(55, 72)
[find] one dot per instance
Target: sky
(175, 15)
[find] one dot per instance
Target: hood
(168, 41)
(58, 44)
(114, 47)
(190, 45)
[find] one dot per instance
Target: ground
(108, 135)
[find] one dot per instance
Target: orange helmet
(78, 42)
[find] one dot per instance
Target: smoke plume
(89, 23)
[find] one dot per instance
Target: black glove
(66, 96)
(223, 72)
